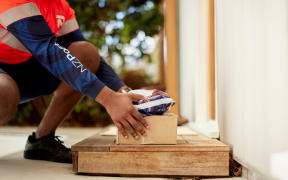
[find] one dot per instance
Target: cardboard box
(163, 130)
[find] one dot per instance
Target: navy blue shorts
(32, 78)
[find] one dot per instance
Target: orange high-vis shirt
(57, 13)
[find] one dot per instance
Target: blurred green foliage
(110, 25)
(23, 113)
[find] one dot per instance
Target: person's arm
(37, 37)
(70, 33)
(27, 24)
(67, 39)
(107, 75)
(105, 72)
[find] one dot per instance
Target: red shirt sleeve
(70, 23)
(69, 12)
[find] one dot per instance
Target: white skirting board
(208, 128)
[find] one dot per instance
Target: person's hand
(122, 112)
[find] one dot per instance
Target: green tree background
(111, 25)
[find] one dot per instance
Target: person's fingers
(136, 125)
(136, 97)
(140, 118)
(154, 92)
(122, 130)
(158, 92)
(128, 128)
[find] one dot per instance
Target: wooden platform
(192, 156)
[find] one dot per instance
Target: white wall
(193, 66)
(252, 82)
(188, 55)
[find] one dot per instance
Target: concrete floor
(13, 166)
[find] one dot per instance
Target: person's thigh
(9, 96)
(32, 78)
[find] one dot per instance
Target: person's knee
(87, 53)
(9, 95)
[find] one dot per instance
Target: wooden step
(194, 155)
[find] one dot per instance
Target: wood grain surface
(95, 143)
(155, 163)
(194, 155)
(184, 143)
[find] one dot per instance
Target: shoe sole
(43, 155)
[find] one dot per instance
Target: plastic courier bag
(156, 103)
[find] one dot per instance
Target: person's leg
(65, 98)
(9, 95)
